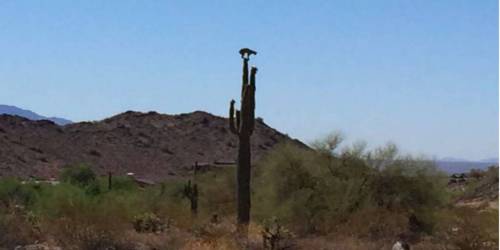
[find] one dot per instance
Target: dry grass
(342, 243)
(70, 217)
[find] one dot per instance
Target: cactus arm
(251, 99)
(231, 118)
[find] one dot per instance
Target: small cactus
(275, 236)
(110, 183)
(191, 192)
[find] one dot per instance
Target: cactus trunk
(243, 180)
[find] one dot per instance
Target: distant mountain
(453, 159)
(463, 166)
(494, 159)
(28, 114)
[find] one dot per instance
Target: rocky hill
(482, 188)
(151, 145)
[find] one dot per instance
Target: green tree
(80, 175)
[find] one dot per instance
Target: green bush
(80, 175)
(13, 192)
(288, 184)
(216, 192)
(317, 190)
(123, 183)
(349, 192)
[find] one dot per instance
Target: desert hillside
(153, 146)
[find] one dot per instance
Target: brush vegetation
(331, 198)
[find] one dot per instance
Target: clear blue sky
(422, 74)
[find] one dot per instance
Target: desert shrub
(80, 175)
(275, 236)
(18, 225)
(79, 235)
(409, 183)
(93, 188)
(315, 191)
(15, 230)
(77, 220)
(373, 223)
(13, 192)
(216, 192)
(414, 186)
(171, 188)
(467, 228)
(74, 203)
(60, 200)
(492, 174)
(476, 174)
(287, 185)
(485, 186)
(119, 184)
(148, 223)
(166, 202)
(214, 236)
(80, 213)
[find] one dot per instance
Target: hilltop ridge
(152, 145)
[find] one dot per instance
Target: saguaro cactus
(191, 192)
(241, 123)
(110, 183)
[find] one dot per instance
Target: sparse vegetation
(302, 198)
(275, 236)
(148, 223)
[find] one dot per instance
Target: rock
(42, 246)
(400, 245)
(141, 246)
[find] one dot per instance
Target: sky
(421, 74)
